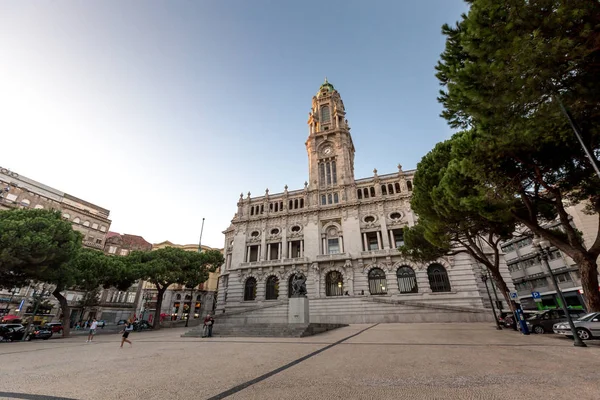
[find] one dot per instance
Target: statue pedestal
(298, 310)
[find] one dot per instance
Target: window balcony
(93, 245)
(268, 263)
(378, 253)
(333, 257)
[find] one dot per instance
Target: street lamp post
(484, 278)
(542, 248)
(37, 300)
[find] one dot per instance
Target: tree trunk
(66, 310)
(589, 283)
(159, 300)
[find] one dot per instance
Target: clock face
(327, 150)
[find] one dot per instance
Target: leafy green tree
(34, 243)
(455, 215)
(504, 68)
(167, 266)
(92, 270)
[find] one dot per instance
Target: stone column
(302, 248)
(324, 246)
(263, 247)
(365, 243)
(268, 251)
(279, 251)
(289, 254)
(384, 232)
(341, 244)
(379, 240)
(248, 253)
(392, 241)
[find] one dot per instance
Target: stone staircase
(264, 330)
(271, 319)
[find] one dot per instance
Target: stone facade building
(529, 275)
(179, 301)
(92, 221)
(341, 233)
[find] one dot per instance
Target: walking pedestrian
(208, 325)
(126, 331)
(93, 327)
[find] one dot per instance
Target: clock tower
(329, 146)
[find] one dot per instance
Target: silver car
(587, 327)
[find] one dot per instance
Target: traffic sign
(537, 297)
(514, 295)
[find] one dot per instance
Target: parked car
(8, 334)
(507, 318)
(141, 325)
(587, 327)
(15, 326)
(543, 321)
(41, 332)
(56, 327)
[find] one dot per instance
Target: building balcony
(378, 253)
(93, 245)
(269, 263)
(333, 257)
(116, 305)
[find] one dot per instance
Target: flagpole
(200, 241)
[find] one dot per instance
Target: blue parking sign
(536, 295)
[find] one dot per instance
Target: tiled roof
(135, 241)
(111, 234)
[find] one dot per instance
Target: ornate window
(86, 223)
(25, 202)
(409, 185)
(377, 281)
(325, 114)
(438, 278)
(38, 207)
(384, 190)
(334, 284)
(250, 289)
(272, 288)
(407, 280)
(397, 186)
(66, 216)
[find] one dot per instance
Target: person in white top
(93, 327)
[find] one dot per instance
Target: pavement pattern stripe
(26, 396)
(251, 382)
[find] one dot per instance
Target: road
(385, 361)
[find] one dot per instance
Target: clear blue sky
(163, 112)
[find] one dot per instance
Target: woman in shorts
(126, 331)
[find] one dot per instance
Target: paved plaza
(385, 361)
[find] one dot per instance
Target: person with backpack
(208, 325)
(126, 331)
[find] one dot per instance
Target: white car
(587, 327)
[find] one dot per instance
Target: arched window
(250, 289)
(409, 185)
(359, 194)
(407, 281)
(272, 288)
(372, 191)
(86, 223)
(25, 202)
(66, 216)
(38, 207)
(366, 193)
(377, 281)
(334, 284)
(325, 114)
(390, 188)
(438, 278)
(76, 220)
(384, 190)
(397, 186)
(188, 297)
(178, 297)
(251, 210)
(199, 297)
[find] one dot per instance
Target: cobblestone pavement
(385, 361)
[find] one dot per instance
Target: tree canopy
(505, 66)
(170, 265)
(34, 245)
